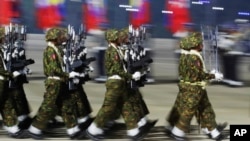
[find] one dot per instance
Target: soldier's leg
(83, 108)
(174, 114)
(69, 115)
(135, 131)
(3, 87)
(47, 110)
(22, 106)
(9, 117)
(207, 114)
(48, 107)
(114, 93)
(189, 102)
(208, 122)
(83, 105)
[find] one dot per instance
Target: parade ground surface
(231, 104)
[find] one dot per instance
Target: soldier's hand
(136, 76)
(76, 80)
(16, 73)
(73, 74)
(91, 69)
(218, 76)
(82, 75)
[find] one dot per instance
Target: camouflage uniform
(116, 93)
(82, 104)
(193, 96)
(174, 114)
(7, 108)
(135, 96)
(56, 96)
(17, 93)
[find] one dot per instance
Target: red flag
(94, 12)
(5, 12)
(142, 13)
(47, 13)
(180, 15)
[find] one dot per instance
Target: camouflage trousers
(82, 104)
(139, 105)
(115, 100)
(7, 109)
(174, 114)
(56, 98)
(194, 99)
(20, 100)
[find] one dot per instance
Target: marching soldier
(17, 90)
(116, 94)
(7, 107)
(82, 104)
(193, 76)
(135, 97)
(56, 96)
(174, 114)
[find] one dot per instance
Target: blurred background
(166, 20)
(115, 14)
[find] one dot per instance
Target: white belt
(1, 77)
(114, 77)
(54, 77)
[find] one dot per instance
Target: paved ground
(230, 104)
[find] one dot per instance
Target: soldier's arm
(52, 66)
(114, 66)
(198, 69)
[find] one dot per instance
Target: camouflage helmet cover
(54, 33)
(111, 34)
(123, 32)
(193, 40)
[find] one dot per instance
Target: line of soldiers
(14, 105)
(66, 68)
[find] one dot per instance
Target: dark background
(118, 17)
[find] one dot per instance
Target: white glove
(213, 71)
(26, 71)
(76, 80)
(15, 53)
(126, 55)
(218, 76)
(148, 69)
(73, 74)
(8, 56)
(91, 69)
(82, 75)
(136, 76)
(21, 53)
(16, 73)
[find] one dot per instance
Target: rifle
(21, 64)
(80, 64)
(68, 53)
(15, 37)
(139, 62)
(10, 38)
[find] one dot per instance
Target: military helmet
(123, 32)
(2, 32)
(54, 33)
(111, 34)
(193, 40)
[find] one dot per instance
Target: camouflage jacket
(191, 69)
(53, 63)
(114, 63)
